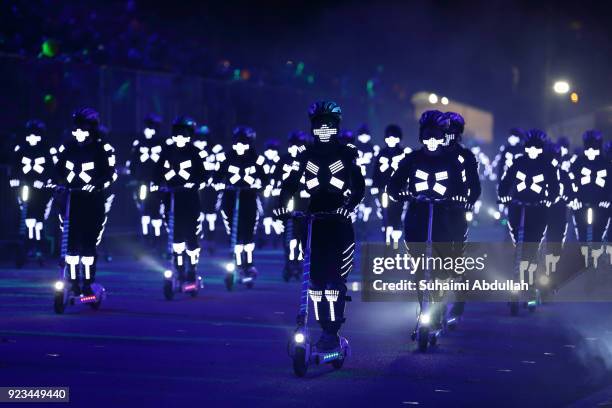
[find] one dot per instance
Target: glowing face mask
(180, 140)
(33, 139)
(513, 140)
(364, 138)
(200, 144)
(324, 133)
(293, 150)
(432, 143)
(271, 154)
(392, 141)
(149, 133)
(80, 135)
(533, 152)
(591, 153)
(564, 151)
(240, 148)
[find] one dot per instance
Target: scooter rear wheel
(229, 282)
(337, 364)
(299, 362)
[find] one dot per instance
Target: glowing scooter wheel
(96, 305)
(299, 362)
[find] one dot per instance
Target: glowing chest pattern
(181, 171)
(313, 175)
(150, 153)
(422, 182)
(587, 175)
(245, 174)
(535, 182)
(83, 174)
(30, 164)
(385, 163)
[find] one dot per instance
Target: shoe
(75, 288)
(328, 342)
(87, 290)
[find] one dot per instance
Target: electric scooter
(300, 348)
(236, 273)
(64, 296)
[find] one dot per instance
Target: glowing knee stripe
(366, 213)
(267, 222)
(211, 218)
(145, 220)
(347, 270)
(179, 248)
(30, 223)
(316, 296)
(72, 261)
(278, 226)
(238, 253)
(348, 248)
(39, 227)
(332, 297)
(87, 262)
(194, 255)
(292, 246)
(249, 248)
(300, 253)
(157, 223)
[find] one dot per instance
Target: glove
(604, 204)
(546, 203)
(38, 184)
(280, 213)
(374, 191)
(575, 204)
(345, 212)
(188, 185)
(505, 199)
(14, 182)
(89, 188)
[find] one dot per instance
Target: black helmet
(272, 144)
(393, 130)
(592, 139)
(536, 138)
(325, 109)
(297, 137)
(563, 141)
(183, 124)
(86, 119)
(346, 137)
(152, 121)
(433, 119)
(456, 123)
(364, 129)
(243, 134)
(202, 132)
(36, 127)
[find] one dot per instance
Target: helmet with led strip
(152, 121)
(243, 134)
(325, 118)
(85, 124)
(363, 133)
(516, 136)
(184, 126)
(272, 144)
(35, 127)
(536, 138)
(297, 138)
(432, 127)
(592, 139)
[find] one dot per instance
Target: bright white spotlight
(59, 285)
(444, 100)
(425, 319)
(433, 98)
(299, 338)
(544, 280)
(355, 286)
(561, 87)
(469, 216)
(230, 267)
(167, 274)
(497, 215)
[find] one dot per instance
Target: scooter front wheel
(58, 303)
(229, 282)
(299, 362)
(168, 290)
(423, 339)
